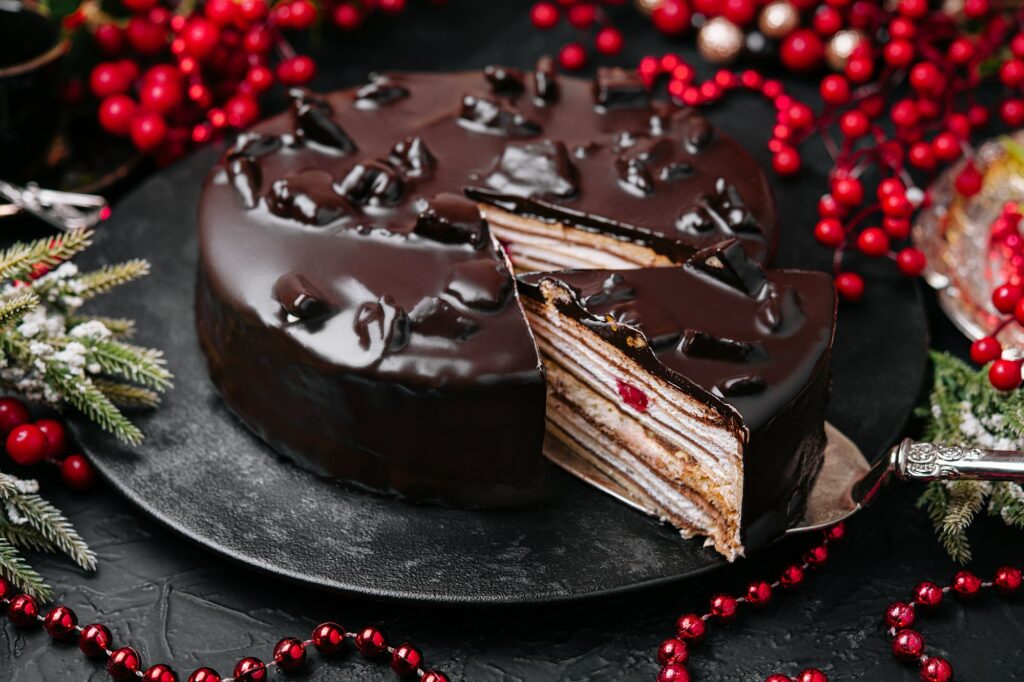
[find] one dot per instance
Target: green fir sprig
(964, 409)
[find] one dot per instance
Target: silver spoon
(68, 211)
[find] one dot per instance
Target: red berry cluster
(29, 443)
(587, 16)
(124, 663)
(908, 644)
(691, 627)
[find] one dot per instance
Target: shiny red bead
(816, 556)
(966, 585)
(250, 669)
(159, 673)
(673, 672)
(94, 640)
(434, 676)
(927, 594)
(328, 638)
(27, 445)
(836, 532)
(23, 611)
(690, 628)
(1005, 375)
(723, 607)
(1007, 580)
(60, 622)
(370, 642)
(123, 663)
(673, 650)
(935, 669)
(204, 675)
(900, 615)
(907, 645)
(792, 577)
(778, 677)
(985, 350)
(289, 653)
(406, 660)
(759, 593)
(811, 675)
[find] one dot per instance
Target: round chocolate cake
(356, 298)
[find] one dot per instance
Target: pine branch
(19, 260)
(966, 499)
(127, 395)
(8, 486)
(14, 568)
(935, 500)
(54, 527)
(13, 310)
(27, 537)
(81, 393)
(106, 278)
(120, 328)
(141, 365)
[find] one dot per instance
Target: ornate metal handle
(914, 461)
(64, 210)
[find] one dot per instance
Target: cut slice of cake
(699, 390)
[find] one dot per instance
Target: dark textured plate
(202, 473)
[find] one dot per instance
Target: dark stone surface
(181, 604)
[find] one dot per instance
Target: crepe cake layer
(701, 389)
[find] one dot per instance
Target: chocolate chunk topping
(451, 219)
(486, 115)
(697, 132)
(245, 176)
(614, 289)
(746, 384)
(255, 144)
(308, 197)
(504, 81)
(534, 169)
(698, 344)
(381, 326)
(314, 122)
(675, 171)
(413, 158)
(722, 210)
(299, 299)
(634, 177)
(372, 183)
(435, 317)
(729, 264)
(616, 88)
(480, 284)
(380, 90)
(779, 311)
(545, 80)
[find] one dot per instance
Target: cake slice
(699, 390)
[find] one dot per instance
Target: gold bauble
(841, 47)
(719, 41)
(778, 19)
(648, 6)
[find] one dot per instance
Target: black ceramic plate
(202, 473)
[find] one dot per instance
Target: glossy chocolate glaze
(752, 345)
(351, 304)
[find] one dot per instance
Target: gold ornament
(648, 6)
(719, 41)
(778, 19)
(841, 47)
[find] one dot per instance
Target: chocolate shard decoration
(480, 284)
(545, 80)
(504, 80)
(452, 219)
(746, 384)
(488, 116)
(433, 316)
(697, 132)
(300, 300)
(535, 169)
(314, 122)
(722, 210)
(634, 177)
(380, 327)
(677, 170)
(255, 144)
(308, 197)
(729, 264)
(413, 158)
(372, 183)
(379, 91)
(616, 88)
(245, 176)
(614, 289)
(698, 344)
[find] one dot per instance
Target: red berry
(258, 40)
(985, 350)
(13, 413)
(77, 473)
(723, 607)
(582, 15)
(148, 131)
(1005, 297)
(798, 116)
(786, 161)
(966, 585)
(898, 53)
(302, 15)
(572, 57)
(926, 78)
(201, 37)
(907, 645)
(904, 113)
(854, 124)
(347, 16)
(828, 207)
(827, 20)
(739, 12)
(1005, 374)
(1007, 580)
(56, 437)
(608, 41)
(911, 261)
(848, 191)
(144, 36)
(829, 232)
(259, 78)
(946, 147)
(850, 286)
(252, 10)
(139, 6)
(242, 111)
(975, 8)
(921, 156)
(690, 628)
(969, 180)
(109, 39)
(544, 15)
(221, 12)
(859, 69)
(802, 50)
(391, 6)
(900, 615)
(935, 669)
(835, 90)
(671, 17)
(297, 70)
(1012, 112)
(27, 445)
(673, 650)
(896, 227)
(108, 79)
(160, 97)
(961, 50)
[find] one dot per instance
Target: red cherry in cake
(13, 413)
(27, 445)
(632, 396)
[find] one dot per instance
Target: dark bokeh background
(179, 604)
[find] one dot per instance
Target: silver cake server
(67, 211)
(847, 482)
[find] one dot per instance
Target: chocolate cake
(355, 296)
(699, 390)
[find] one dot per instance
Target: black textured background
(179, 604)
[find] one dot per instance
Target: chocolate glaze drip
(451, 219)
(534, 169)
(482, 114)
(307, 197)
(698, 344)
(413, 158)
(300, 300)
(245, 176)
(314, 122)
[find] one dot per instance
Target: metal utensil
(68, 211)
(847, 482)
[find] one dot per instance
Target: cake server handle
(66, 211)
(913, 461)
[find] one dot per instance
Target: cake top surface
(339, 221)
(750, 338)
